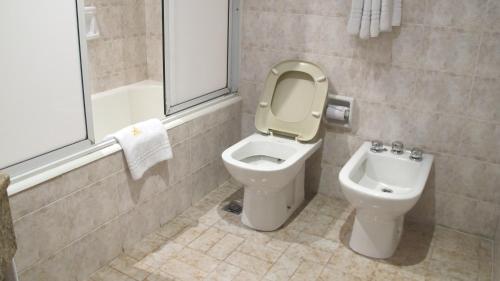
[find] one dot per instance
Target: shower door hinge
(274, 132)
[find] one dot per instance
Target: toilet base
(267, 211)
(374, 235)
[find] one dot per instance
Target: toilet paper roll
(337, 112)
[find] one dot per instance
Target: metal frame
(46, 161)
(166, 57)
(31, 165)
(234, 46)
(232, 79)
(84, 62)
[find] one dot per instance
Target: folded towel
(396, 13)
(375, 19)
(386, 15)
(144, 144)
(364, 31)
(355, 17)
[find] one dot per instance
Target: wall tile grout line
(67, 195)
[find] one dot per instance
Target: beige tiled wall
(433, 83)
(70, 226)
(154, 36)
(129, 48)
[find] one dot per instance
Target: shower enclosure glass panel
(41, 90)
(198, 49)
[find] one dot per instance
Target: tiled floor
(206, 243)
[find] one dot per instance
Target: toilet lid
(293, 100)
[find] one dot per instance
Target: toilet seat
(293, 100)
(271, 147)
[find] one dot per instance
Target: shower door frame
(46, 160)
(232, 78)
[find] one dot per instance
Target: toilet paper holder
(343, 103)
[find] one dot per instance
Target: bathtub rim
(25, 181)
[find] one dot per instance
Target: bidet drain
(387, 190)
(233, 207)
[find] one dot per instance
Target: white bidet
(382, 185)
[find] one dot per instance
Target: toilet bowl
(271, 162)
(382, 187)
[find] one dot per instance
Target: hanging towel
(396, 13)
(355, 17)
(375, 19)
(364, 31)
(144, 144)
(386, 15)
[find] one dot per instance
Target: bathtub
(120, 107)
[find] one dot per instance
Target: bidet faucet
(397, 147)
(416, 154)
(377, 146)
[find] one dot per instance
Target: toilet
(271, 162)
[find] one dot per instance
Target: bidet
(382, 184)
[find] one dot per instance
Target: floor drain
(233, 207)
(387, 190)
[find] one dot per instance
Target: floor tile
(205, 243)
(198, 259)
(130, 267)
(207, 240)
(225, 246)
(247, 276)
(182, 271)
(224, 272)
(175, 226)
(261, 251)
(146, 246)
(308, 253)
(159, 257)
(249, 263)
(283, 268)
(307, 271)
(188, 235)
(109, 274)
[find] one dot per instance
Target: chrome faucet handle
(397, 147)
(416, 154)
(377, 146)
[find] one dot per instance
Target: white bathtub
(120, 107)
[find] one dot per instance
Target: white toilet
(271, 163)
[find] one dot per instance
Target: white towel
(355, 17)
(144, 144)
(364, 31)
(386, 15)
(396, 13)
(375, 19)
